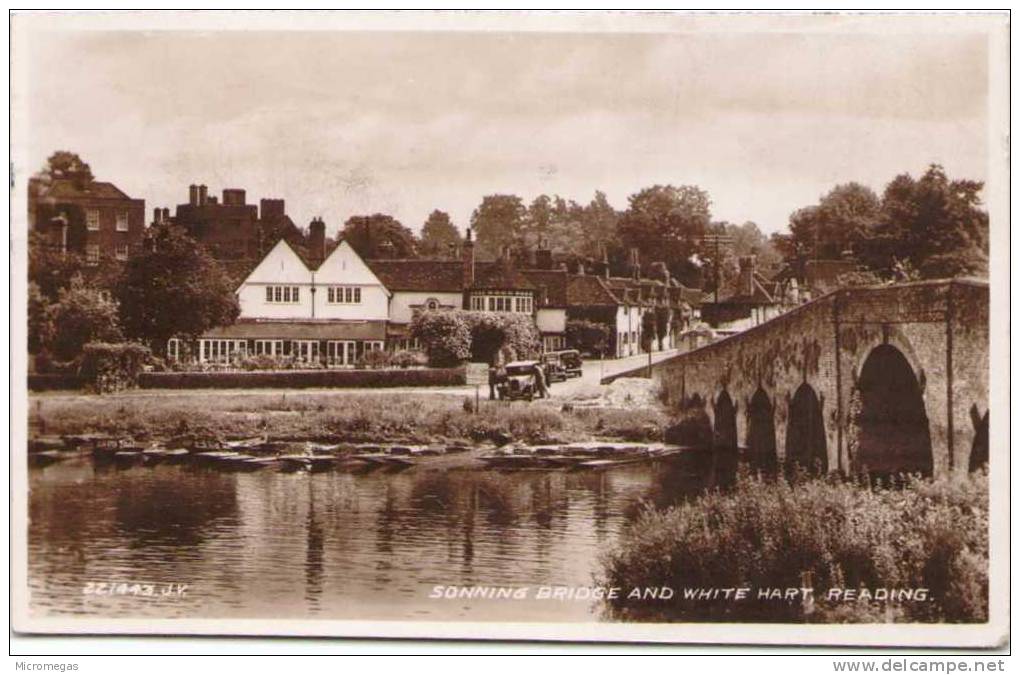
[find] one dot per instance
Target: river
(213, 544)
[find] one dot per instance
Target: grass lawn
(409, 417)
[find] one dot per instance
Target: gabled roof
(551, 285)
(758, 296)
(441, 276)
(499, 275)
(584, 290)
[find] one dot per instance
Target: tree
(499, 221)
(81, 315)
(40, 327)
(379, 236)
(68, 165)
(173, 288)
(648, 324)
(933, 223)
(445, 334)
(438, 235)
(590, 337)
(667, 223)
(598, 226)
(663, 317)
(836, 224)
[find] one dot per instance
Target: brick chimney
(605, 263)
(317, 240)
(468, 259)
(635, 264)
(193, 195)
(203, 195)
(745, 281)
(543, 256)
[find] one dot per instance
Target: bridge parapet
(820, 364)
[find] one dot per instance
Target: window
(122, 221)
(92, 254)
(284, 294)
(122, 252)
(432, 304)
(92, 219)
(344, 295)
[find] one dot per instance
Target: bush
(106, 367)
(270, 362)
(374, 358)
(588, 337)
(838, 533)
(446, 336)
(454, 336)
(407, 358)
(80, 316)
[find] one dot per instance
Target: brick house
(92, 218)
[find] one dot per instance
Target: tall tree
(80, 315)
(498, 221)
(666, 223)
(932, 224)
(438, 235)
(173, 288)
(836, 223)
(64, 164)
(598, 226)
(379, 236)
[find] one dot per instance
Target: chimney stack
(193, 195)
(166, 215)
(635, 264)
(543, 256)
(317, 239)
(605, 263)
(746, 279)
(157, 216)
(468, 260)
(203, 195)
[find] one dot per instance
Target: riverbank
(346, 416)
(821, 550)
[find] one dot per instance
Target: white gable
(345, 266)
(280, 266)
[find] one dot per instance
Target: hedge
(55, 381)
(303, 379)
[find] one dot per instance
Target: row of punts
(578, 456)
(238, 454)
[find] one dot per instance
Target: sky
(346, 123)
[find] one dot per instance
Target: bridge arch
(892, 424)
(725, 422)
(761, 430)
(805, 431)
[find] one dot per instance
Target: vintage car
(519, 382)
(562, 364)
(554, 368)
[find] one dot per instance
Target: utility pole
(717, 240)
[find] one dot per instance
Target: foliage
(859, 278)
(172, 287)
(663, 317)
(746, 240)
(107, 367)
(373, 358)
(647, 330)
(438, 234)
(667, 223)
(933, 223)
(498, 221)
(838, 533)
(270, 362)
(63, 164)
(836, 224)
(379, 236)
(40, 326)
(446, 336)
(454, 336)
(589, 337)
(409, 358)
(80, 315)
(304, 378)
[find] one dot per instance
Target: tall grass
(835, 533)
(356, 417)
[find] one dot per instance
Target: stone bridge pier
(880, 379)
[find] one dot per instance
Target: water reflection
(336, 545)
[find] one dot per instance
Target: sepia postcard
(647, 327)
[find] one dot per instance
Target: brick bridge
(884, 379)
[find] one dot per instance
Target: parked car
(519, 382)
(554, 368)
(562, 364)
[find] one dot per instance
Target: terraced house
(332, 313)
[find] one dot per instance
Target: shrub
(269, 362)
(106, 367)
(446, 336)
(374, 358)
(80, 315)
(297, 379)
(407, 358)
(837, 533)
(589, 337)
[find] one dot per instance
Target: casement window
(283, 294)
(343, 295)
(122, 221)
(521, 304)
(92, 254)
(269, 347)
(221, 351)
(92, 219)
(122, 252)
